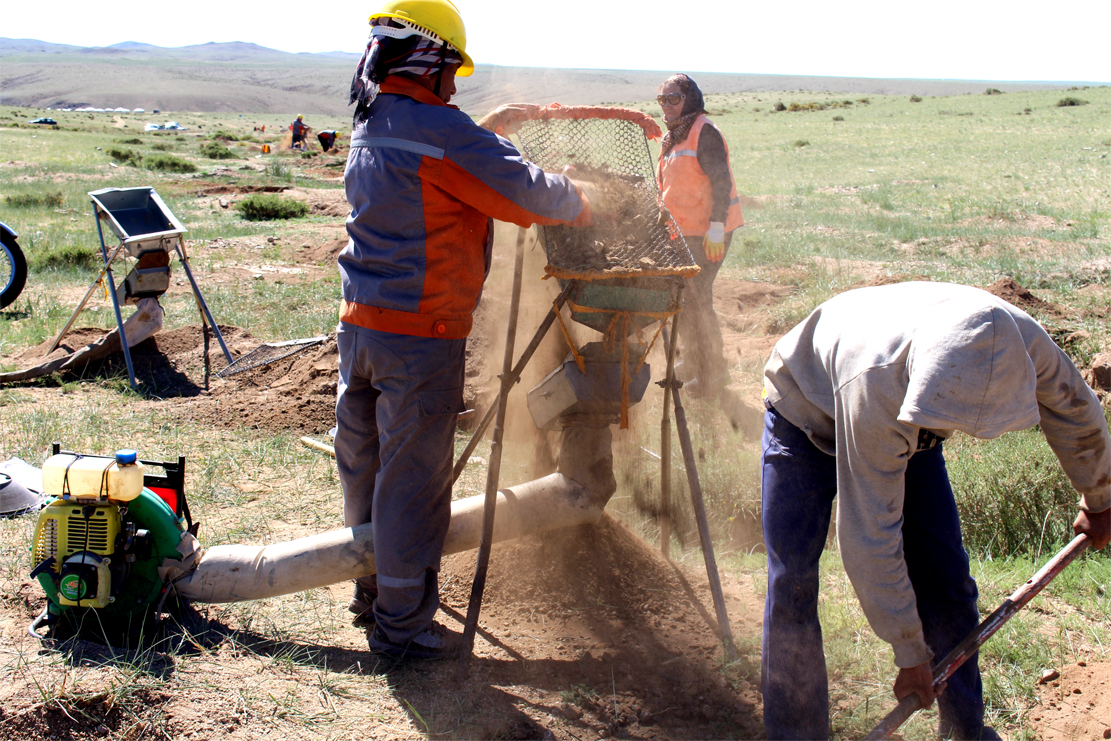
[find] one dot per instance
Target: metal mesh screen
(268, 353)
(612, 157)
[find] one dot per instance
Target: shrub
(915, 99)
(1027, 111)
(280, 171)
(133, 140)
(168, 163)
(780, 107)
(799, 143)
(268, 206)
(864, 101)
(26, 200)
(125, 156)
(64, 256)
(161, 147)
(225, 136)
(838, 118)
(214, 150)
(993, 91)
(807, 107)
(1070, 101)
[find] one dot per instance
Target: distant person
(860, 398)
(424, 183)
(300, 131)
(697, 189)
(327, 139)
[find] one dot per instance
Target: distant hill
(245, 77)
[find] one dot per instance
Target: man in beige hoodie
(860, 395)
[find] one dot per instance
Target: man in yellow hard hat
(424, 183)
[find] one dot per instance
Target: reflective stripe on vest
(686, 191)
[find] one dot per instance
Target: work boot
(946, 732)
(434, 642)
(362, 604)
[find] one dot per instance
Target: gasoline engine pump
(100, 541)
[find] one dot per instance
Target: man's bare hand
(506, 119)
(917, 680)
(1096, 525)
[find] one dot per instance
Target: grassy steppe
(967, 189)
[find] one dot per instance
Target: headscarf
(414, 56)
(693, 106)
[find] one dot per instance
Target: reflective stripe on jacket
(685, 190)
(423, 182)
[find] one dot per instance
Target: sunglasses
(670, 98)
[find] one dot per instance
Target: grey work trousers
(397, 404)
(700, 343)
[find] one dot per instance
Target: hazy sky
(1063, 40)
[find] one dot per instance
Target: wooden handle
(970, 645)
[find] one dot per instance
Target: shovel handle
(970, 645)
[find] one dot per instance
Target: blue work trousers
(799, 483)
(397, 404)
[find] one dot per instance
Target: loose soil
(1076, 705)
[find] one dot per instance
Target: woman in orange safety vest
(697, 189)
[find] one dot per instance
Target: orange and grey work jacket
(687, 192)
(423, 182)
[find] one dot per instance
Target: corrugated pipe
(576, 495)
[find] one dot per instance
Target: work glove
(506, 119)
(713, 244)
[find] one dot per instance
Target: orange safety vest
(686, 191)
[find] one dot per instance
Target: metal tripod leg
(509, 378)
(665, 444)
(115, 298)
(206, 315)
(700, 511)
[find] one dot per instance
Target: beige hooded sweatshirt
(867, 369)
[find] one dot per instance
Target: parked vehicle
(46, 121)
(13, 266)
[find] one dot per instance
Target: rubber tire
(18, 277)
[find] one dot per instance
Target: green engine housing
(105, 555)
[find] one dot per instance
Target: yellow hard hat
(439, 18)
(299, 116)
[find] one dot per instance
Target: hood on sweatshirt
(969, 370)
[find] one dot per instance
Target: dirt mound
(1075, 705)
(170, 364)
(1011, 292)
(326, 253)
(323, 201)
(74, 340)
(595, 608)
(228, 189)
(296, 393)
